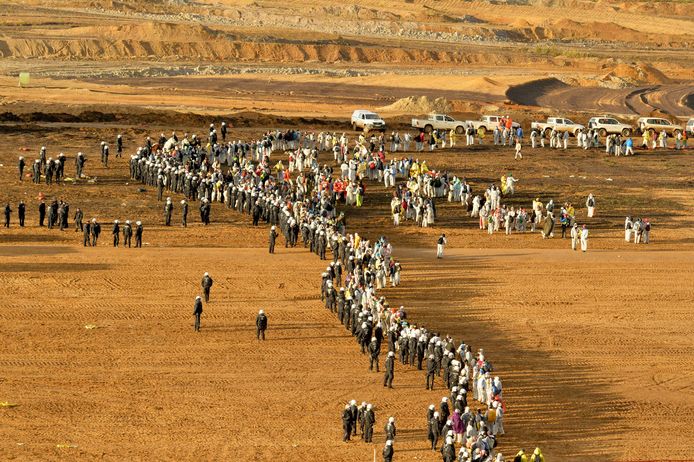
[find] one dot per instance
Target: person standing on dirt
(116, 233)
(21, 212)
(390, 370)
(431, 371)
(184, 213)
(537, 456)
(79, 164)
(127, 233)
(160, 187)
(574, 236)
(206, 284)
(374, 352)
(369, 422)
(273, 238)
(119, 146)
(42, 157)
(96, 230)
(20, 167)
(138, 234)
(388, 451)
(440, 245)
(86, 242)
(346, 424)
(260, 325)
(197, 312)
(590, 205)
(105, 155)
(584, 238)
(36, 171)
(168, 210)
(78, 220)
(42, 212)
(8, 212)
(223, 129)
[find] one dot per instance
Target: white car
(488, 123)
(606, 125)
(559, 124)
(690, 127)
(439, 122)
(367, 120)
(656, 125)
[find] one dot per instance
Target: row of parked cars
(606, 125)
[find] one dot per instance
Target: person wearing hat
(521, 456)
(431, 372)
(127, 233)
(96, 231)
(184, 213)
(138, 234)
(273, 238)
(36, 172)
(448, 450)
(79, 164)
(390, 370)
(388, 451)
(390, 429)
(197, 312)
(374, 352)
(440, 245)
(168, 209)
(206, 284)
(369, 421)
(434, 430)
(116, 233)
(21, 213)
(260, 325)
(537, 456)
(346, 423)
(119, 146)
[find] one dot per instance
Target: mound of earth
(624, 75)
(418, 105)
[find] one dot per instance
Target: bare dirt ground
(594, 350)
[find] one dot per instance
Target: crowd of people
(300, 203)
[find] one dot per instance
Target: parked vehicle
(606, 125)
(559, 124)
(690, 127)
(656, 125)
(367, 120)
(439, 122)
(488, 123)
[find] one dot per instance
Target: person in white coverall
(584, 238)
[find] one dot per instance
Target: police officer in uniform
(206, 284)
(197, 311)
(260, 325)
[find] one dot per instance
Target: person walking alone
(260, 325)
(197, 312)
(440, 245)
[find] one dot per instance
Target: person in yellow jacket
(424, 168)
(537, 456)
(503, 184)
(521, 456)
(414, 170)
